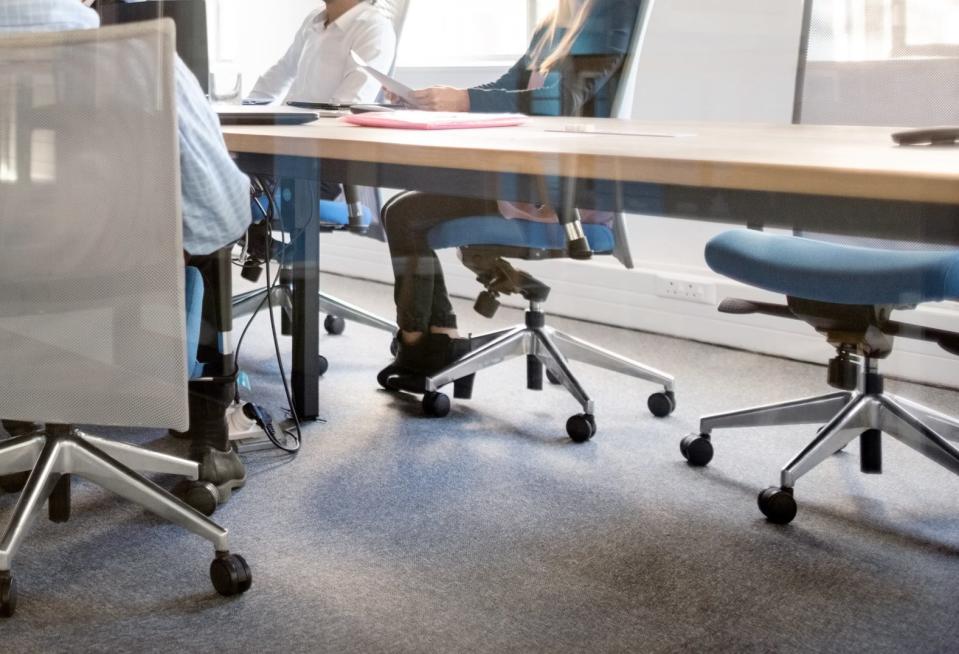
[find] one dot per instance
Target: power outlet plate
(688, 288)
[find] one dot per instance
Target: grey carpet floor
(490, 531)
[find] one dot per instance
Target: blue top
(583, 84)
(216, 195)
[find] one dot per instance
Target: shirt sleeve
(376, 44)
(216, 195)
(503, 95)
(275, 82)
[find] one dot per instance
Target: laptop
(266, 117)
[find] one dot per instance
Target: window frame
(487, 61)
(900, 28)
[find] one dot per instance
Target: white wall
(248, 36)
(715, 60)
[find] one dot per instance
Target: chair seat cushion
(496, 230)
(194, 312)
(831, 272)
(336, 214)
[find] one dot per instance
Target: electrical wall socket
(686, 287)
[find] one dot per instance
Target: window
(462, 32)
(926, 27)
(859, 30)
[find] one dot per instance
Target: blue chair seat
(829, 272)
(336, 214)
(194, 312)
(496, 230)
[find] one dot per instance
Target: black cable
(270, 285)
(296, 433)
(268, 213)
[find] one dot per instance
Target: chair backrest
(622, 108)
(92, 325)
(858, 65)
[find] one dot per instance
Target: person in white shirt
(318, 66)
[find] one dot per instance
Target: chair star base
(336, 309)
(845, 416)
(552, 349)
(60, 451)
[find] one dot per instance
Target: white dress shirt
(318, 66)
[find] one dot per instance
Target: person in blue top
(573, 67)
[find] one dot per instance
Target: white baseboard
(604, 292)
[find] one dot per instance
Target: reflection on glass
(868, 30)
(226, 86)
(931, 22)
(8, 130)
(43, 156)
(444, 31)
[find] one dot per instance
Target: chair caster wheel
(662, 404)
(436, 404)
(697, 449)
(553, 379)
(8, 595)
(778, 505)
(14, 483)
(581, 427)
(322, 365)
(230, 575)
(200, 495)
(334, 325)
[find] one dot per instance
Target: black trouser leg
(422, 300)
(212, 395)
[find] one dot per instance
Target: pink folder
(433, 120)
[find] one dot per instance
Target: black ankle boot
(221, 470)
(426, 357)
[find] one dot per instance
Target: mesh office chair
(92, 318)
(485, 242)
(847, 289)
(357, 212)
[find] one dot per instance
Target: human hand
(392, 98)
(442, 98)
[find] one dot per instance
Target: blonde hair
(569, 14)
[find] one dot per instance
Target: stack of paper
(433, 120)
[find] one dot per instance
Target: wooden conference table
(842, 180)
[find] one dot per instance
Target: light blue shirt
(216, 195)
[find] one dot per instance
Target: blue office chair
(845, 290)
(485, 242)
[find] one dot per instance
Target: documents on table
(413, 119)
(393, 86)
(587, 128)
